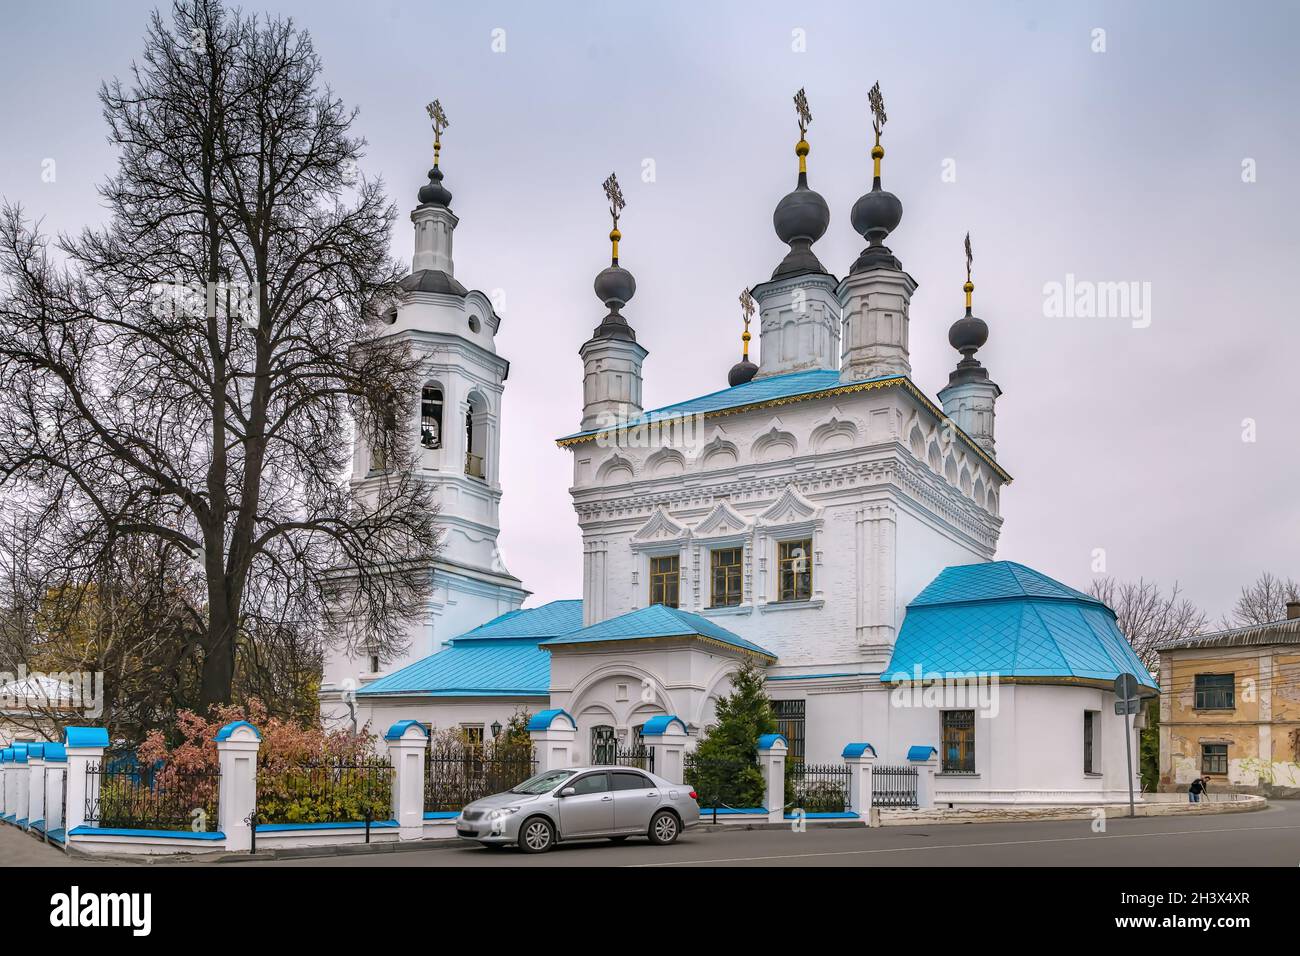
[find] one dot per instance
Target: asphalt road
(1269, 837)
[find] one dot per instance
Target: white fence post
(237, 746)
(23, 790)
(554, 733)
(666, 736)
(861, 758)
(56, 760)
(6, 761)
(35, 785)
(84, 747)
(771, 760)
(926, 761)
(407, 743)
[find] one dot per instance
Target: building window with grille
(604, 745)
(726, 589)
(431, 417)
(959, 741)
(1215, 692)
(794, 570)
(1089, 741)
(790, 725)
(665, 576)
(1214, 758)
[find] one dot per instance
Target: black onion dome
(741, 372)
(615, 287)
(801, 214)
(800, 219)
(876, 214)
(434, 193)
(968, 334)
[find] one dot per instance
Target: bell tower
(456, 435)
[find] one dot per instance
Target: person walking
(1195, 790)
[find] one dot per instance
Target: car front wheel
(536, 835)
(664, 828)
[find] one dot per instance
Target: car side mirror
(568, 792)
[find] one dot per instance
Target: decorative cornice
(926, 490)
(897, 380)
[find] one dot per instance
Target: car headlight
(500, 812)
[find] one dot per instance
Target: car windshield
(543, 782)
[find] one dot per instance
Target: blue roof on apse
(750, 393)
(1006, 619)
(656, 621)
(500, 658)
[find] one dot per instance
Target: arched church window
(431, 416)
(385, 426)
(476, 435)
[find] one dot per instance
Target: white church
(822, 515)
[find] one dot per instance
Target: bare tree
(1263, 602)
(188, 376)
(1147, 616)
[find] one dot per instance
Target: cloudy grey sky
(1117, 166)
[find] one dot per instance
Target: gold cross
(438, 117)
(805, 115)
(878, 110)
(615, 196)
(747, 305)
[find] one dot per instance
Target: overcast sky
(1117, 166)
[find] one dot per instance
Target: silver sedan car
(581, 803)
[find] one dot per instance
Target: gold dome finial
(805, 120)
(969, 287)
(878, 118)
(747, 307)
(614, 193)
(440, 123)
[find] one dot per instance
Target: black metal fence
(893, 786)
(820, 788)
(643, 758)
(123, 794)
(326, 790)
(455, 775)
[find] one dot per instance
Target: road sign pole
(1128, 759)
(1127, 697)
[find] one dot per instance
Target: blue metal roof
(657, 621)
(505, 667)
(497, 659)
(994, 579)
(1006, 619)
(751, 393)
(549, 620)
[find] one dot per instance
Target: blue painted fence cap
(399, 729)
(7, 755)
(55, 752)
(85, 737)
(662, 723)
(857, 750)
(542, 719)
(225, 732)
(767, 741)
(920, 752)
(36, 750)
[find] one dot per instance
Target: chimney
(1292, 610)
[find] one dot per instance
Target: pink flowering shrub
(297, 777)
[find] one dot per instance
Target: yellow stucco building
(1230, 709)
